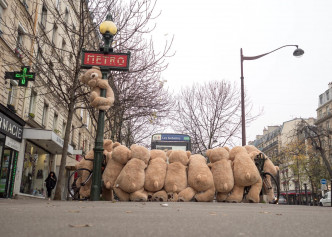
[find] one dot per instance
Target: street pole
(297, 53)
(243, 121)
(99, 142)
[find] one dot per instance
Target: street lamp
(108, 30)
(297, 53)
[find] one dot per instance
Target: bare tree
(319, 139)
(210, 114)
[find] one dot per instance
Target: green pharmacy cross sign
(23, 76)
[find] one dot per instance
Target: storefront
(36, 167)
(42, 153)
(11, 133)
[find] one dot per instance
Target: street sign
(109, 61)
(323, 181)
(23, 76)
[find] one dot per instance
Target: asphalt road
(30, 217)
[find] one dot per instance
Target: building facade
(33, 119)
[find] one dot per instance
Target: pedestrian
(50, 183)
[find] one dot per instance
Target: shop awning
(46, 139)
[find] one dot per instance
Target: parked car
(282, 200)
(326, 200)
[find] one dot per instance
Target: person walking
(50, 183)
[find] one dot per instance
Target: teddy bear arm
(186, 194)
(236, 195)
(206, 196)
(255, 189)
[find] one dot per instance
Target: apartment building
(33, 118)
(324, 116)
(273, 140)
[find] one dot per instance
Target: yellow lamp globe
(108, 26)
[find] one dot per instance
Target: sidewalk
(35, 217)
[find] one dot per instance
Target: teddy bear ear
(188, 154)
(168, 152)
(226, 148)
(116, 144)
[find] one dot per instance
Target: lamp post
(108, 30)
(297, 53)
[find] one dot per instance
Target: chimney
(330, 85)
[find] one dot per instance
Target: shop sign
(10, 128)
(109, 61)
(12, 143)
(58, 140)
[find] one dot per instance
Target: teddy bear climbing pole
(99, 64)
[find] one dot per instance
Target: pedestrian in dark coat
(50, 184)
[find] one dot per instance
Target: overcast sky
(208, 36)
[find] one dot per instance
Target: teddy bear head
(140, 152)
(237, 151)
(178, 156)
(91, 74)
(251, 148)
(217, 154)
(121, 153)
(108, 145)
(158, 154)
(197, 158)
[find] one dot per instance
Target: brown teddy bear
(176, 175)
(245, 174)
(132, 176)
(200, 178)
(87, 163)
(155, 174)
(268, 167)
(93, 78)
(221, 168)
(160, 196)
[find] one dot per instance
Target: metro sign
(109, 61)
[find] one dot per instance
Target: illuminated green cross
(23, 76)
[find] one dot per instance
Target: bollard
(306, 194)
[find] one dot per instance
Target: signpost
(24, 76)
(107, 61)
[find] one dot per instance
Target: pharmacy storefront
(11, 135)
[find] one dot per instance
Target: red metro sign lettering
(110, 61)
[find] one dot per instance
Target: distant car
(282, 200)
(326, 200)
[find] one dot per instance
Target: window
(45, 113)
(54, 33)
(72, 134)
(82, 113)
(58, 5)
(63, 48)
(79, 141)
(87, 120)
(20, 39)
(63, 129)
(39, 54)
(33, 100)
(321, 99)
(55, 121)
(66, 15)
(1, 13)
(43, 17)
(12, 92)
(327, 95)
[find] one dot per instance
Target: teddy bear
(221, 168)
(87, 163)
(268, 167)
(160, 196)
(245, 174)
(132, 176)
(116, 161)
(155, 173)
(93, 78)
(176, 174)
(200, 179)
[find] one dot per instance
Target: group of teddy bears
(137, 174)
